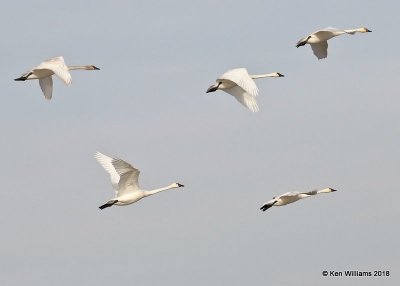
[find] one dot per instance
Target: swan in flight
(239, 83)
(125, 180)
(319, 39)
(47, 68)
(291, 197)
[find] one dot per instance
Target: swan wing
(129, 176)
(244, 98)
(242, 78)
(46, 84)
(288, 195)
(58, 67)
(320, 50)
(106, 163)
(328, 30)
(128, 182)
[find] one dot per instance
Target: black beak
(368, 30)
(95, 68)
(180, 185)
(280, 75)
(212, 88)
(332, 190)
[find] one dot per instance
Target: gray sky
(328, 123)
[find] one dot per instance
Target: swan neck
(263, 75)
(352, 31)
(152, 192)
(76, 67)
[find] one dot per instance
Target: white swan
(292, 197)
(319, 39)
(241, 85)
(47, 68)
(125, 180)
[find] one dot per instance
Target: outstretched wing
(123, 176)
(320, 50)
(129, 176)
(46, 84)
(242, 78)
(244, 98)
(58, 67)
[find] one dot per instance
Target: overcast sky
(327, 123)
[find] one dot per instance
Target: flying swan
(241, 85)
(125, 180)
(47, 68)
(319, 39)
(291, 197)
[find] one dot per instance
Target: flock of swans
(237, 82)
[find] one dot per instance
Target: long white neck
(273, 74)
(77, 67)
(353, 31)
(152, 192)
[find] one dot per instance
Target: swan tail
(108, 204)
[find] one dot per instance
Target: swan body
(240, 84)
(125, 181)
(291, 197)
(319, 39)
(44, 71)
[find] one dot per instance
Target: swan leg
(108, 204)
(23, 77)
(267, 206)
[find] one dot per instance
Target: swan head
(177, 185)
(365, 30)
(91, 68)
(327, 190)
(277, 74)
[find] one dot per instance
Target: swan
(319, 39)
(291, 197)
(47, 68)
(125, 180)
(239, 83)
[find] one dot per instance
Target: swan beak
(366, 30)
(95, 68)
(280, 75)
(332, 190)
(212, 88)
(180, 185)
